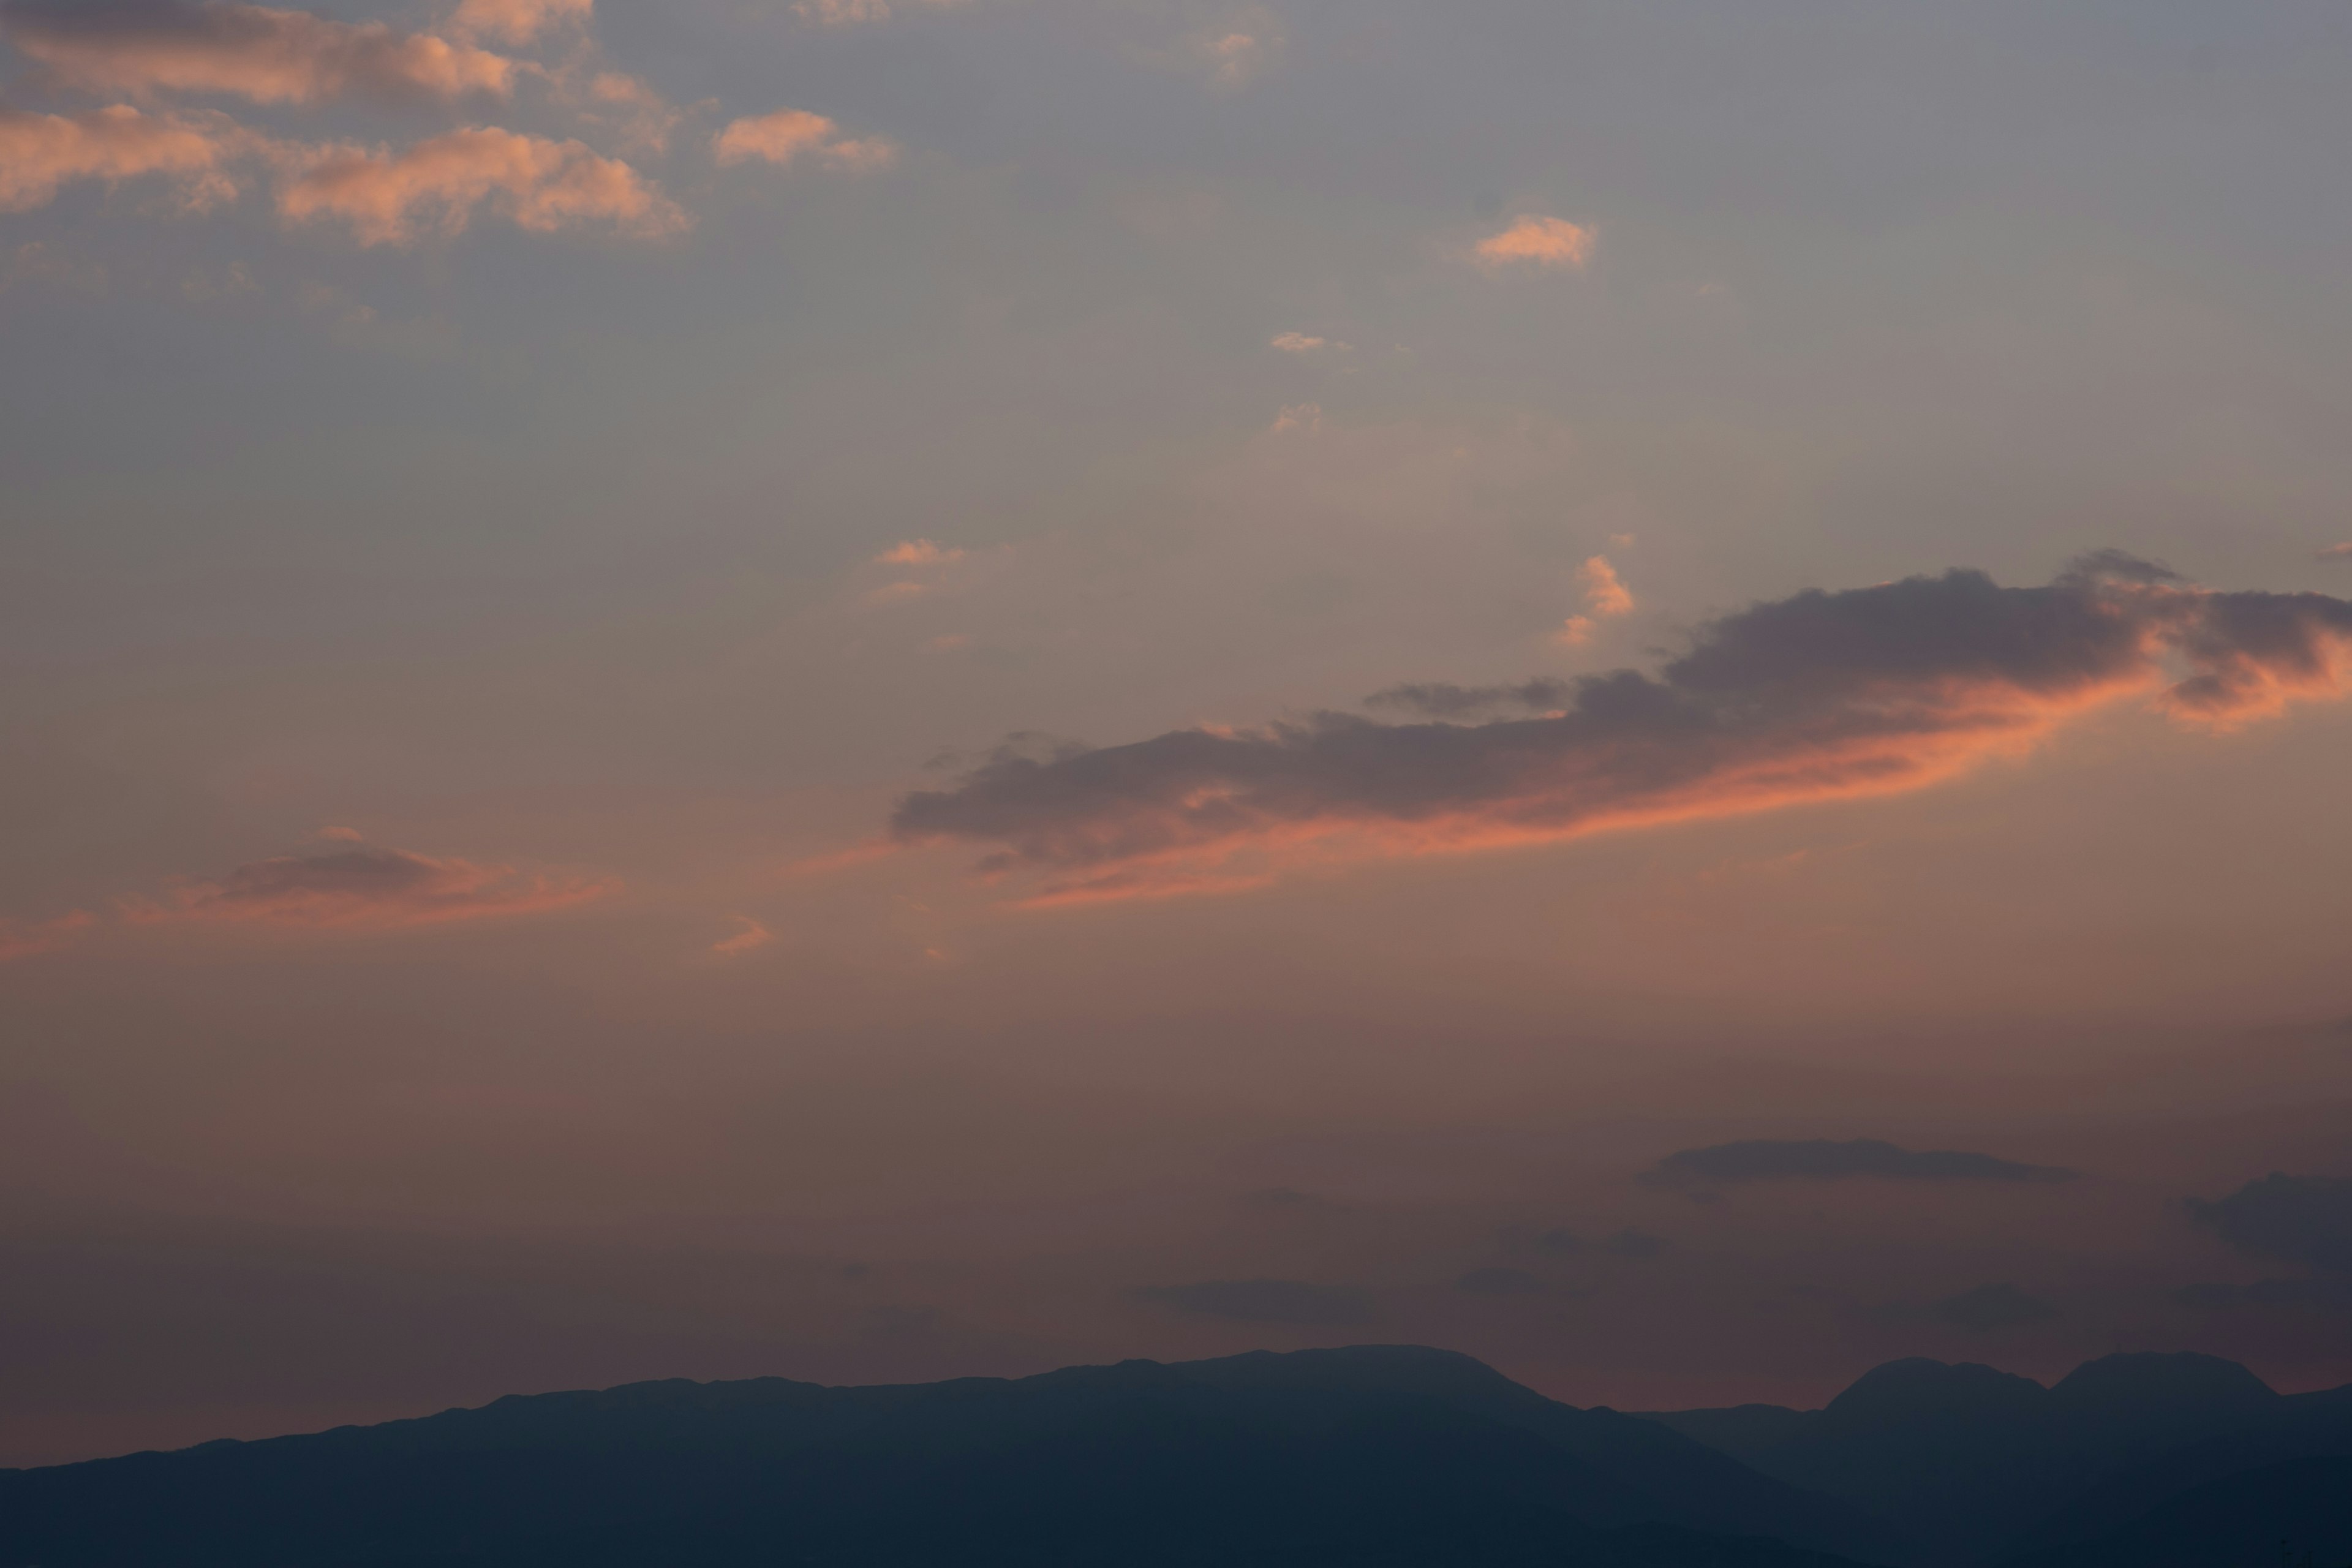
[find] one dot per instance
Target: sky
(881, 689)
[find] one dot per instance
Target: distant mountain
(1366, 1456)
(1981, 1465)
(2255, 1517)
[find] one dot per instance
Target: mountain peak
(2145, 1381)
(1918, 1386)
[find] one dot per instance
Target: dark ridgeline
(1376, 1456)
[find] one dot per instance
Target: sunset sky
(874, 689)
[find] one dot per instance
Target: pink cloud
(255, 52)
(1538, 241)
(1604, 591)
(2337, 553)
(20, 939)
(516, 21)
(789, 134)
(540, 184)
(919, 553)
(40, 153)
(753, 936)
(364, 887)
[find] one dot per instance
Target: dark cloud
(1499, 1282)
(1264, 1301)
(1443, 699)
(1990, 1307)
(2329, 1294)
(2295, 1219)
(1822, 695)
(1825, 1159)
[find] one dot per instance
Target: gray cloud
(1498, 1282)
(1990, 1307)
(1443, 699)
(1816, 696)
(2329, 1294)
(1633, 1244)
(1825, 1159)
(2295, 1219)
(1264, 1301)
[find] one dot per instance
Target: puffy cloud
(1990, 1307)
(1825, 1159)
(20, 939)
(1822, 696)
(1604, 592)
(1264, 1301)
(39, 153)
(516, 21)
(365, 887)
(791, 134)
(540, 184)
(143, 46)
(2295, 1219)
(1537, 242)
(919, 553)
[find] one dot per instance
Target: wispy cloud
(24, 939)
(919, 553)
(790, 134)
(516, 21)
(388, 198)
(2337, 552)
(365, 887)
(753, 936)
(1822, 696)
(1536, 241)
(139, 47)
(857, 12)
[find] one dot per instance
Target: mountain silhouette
(1373, 1456)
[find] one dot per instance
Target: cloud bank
(1822, 696)
(1825, 1159)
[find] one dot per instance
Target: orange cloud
(1539, 241)
(789, 133)
(255, 52)
(516, 21)
(919, 553)
(21, 939)
(365, 888)
(753, 935)
(2337, 552)
(540, 184)
(1604, 591)
(40, 153)
(1818, 696)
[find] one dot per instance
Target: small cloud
(1575, 631)
(789, 134)
(516, 21)
(1823, 1159)
(1604, 591)
(1290, 1301)
(1990, 1307)
(1499, 1282)
(1301, 344)
(753, 935)
(895, 593)
(1301, 417)
(41, 153)
(1538, 242)
(537, 184)
(21, 939)
(364, 888)
(342, 834)
(854, 13)
(2337, 552)
(919, 553)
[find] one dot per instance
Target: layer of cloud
(516, 21)
(41, 153)
(365, 887)
(23, 939)
(788, 135)
(388, 198)
(1825, 1159)
(2306, 1220)
(1443, 699)
(139, 47)
(1823, 696)
(1264, 1301)
(1535, 241)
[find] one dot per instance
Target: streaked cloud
(753, 936)
(26, 938)
(139, 47)
(365, 887)
(1829, 1160)
(1823, 696)
(41, 153)
(388, 198)
(789, 134)
(1538, 241)
(516, 21)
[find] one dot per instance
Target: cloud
(137, 47)
(21, 939)
(1822, 696)
(1823, 1159)
(854, 13)
(1636, 1245)
(1301, 344)
(1538, 242)
(540, 184)
(2328, 1293)
(789, 133)
(1443, 699)
(753, 936)
(364, 888)
(2337, 553)
(1302, 416)
(1990, 1307)
(919, 553)
(1499, 1282)
(1264, 1301)
(40, 153)
(2295, 1219)
(1604, 591)
(516, 21)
